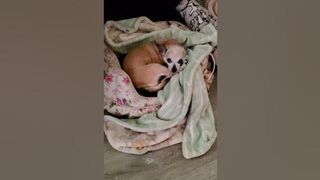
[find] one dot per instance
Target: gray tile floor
(164, 164)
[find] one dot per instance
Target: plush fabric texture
(124, 103)
(133, 142)
(185, 95)
(121, 99)
(110, 59)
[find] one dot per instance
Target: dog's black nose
(174, 69)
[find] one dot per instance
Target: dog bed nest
(181, 112)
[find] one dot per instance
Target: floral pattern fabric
(120, 96)
(121, 99)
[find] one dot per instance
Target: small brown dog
(150, 65)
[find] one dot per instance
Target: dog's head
(173, 54)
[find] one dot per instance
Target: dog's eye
(169, 60)
(180, 62)
(162, 49)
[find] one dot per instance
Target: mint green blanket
(185, 95)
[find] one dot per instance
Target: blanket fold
(184, 97)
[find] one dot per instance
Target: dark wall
(154, 10)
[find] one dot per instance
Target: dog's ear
(161, 48)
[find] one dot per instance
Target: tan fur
(145, 64)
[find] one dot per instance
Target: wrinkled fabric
(133, 142)
(122, 100)
(185, 95)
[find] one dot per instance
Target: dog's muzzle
(174, 69)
